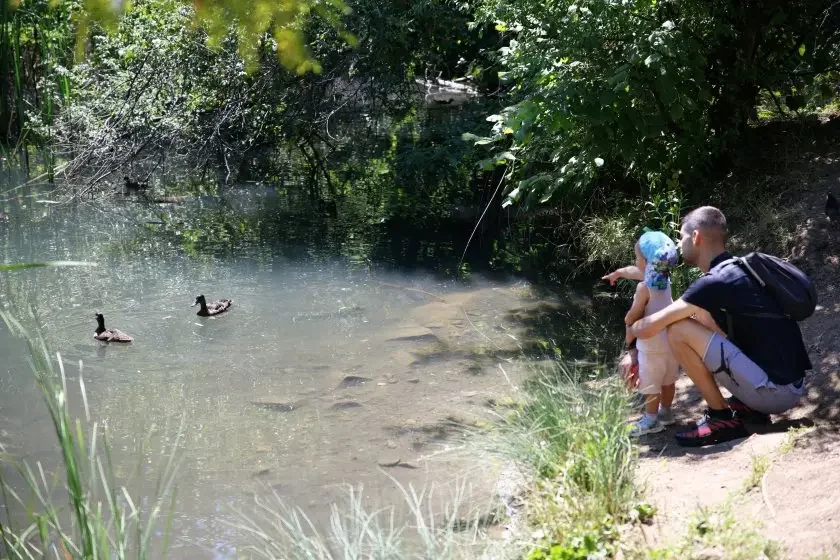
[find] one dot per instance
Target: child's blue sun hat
(661, 255)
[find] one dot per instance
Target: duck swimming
(134, 186)
(109, 335)
(212, 308)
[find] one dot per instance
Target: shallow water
(328, 366)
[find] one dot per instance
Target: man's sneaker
(666, 417)
(646, 425)
(747, 414)
(714, 427)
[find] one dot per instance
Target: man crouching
(763, 360)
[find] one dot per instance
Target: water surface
(330, 364)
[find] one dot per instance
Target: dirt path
(794, 477)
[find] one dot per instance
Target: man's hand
(629, 368)
(647, 327)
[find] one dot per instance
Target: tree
(651, 91)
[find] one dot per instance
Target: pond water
(330, 364)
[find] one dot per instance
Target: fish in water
(832, 207)
(212, 308)
(109, 335)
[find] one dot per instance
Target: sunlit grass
(725, 533)
(437, 527)
(572, 433)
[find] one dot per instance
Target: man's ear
(696, 237)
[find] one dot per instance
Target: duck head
(199, 301)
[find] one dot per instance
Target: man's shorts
(655, 370)
(746, 380)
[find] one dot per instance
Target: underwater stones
(345, 405)
(353, 381)
(413, 334)
(276, 406)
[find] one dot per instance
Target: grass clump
(608, 240)
(792, 437)
(277, 531)
(719, 533)
(759, 466)
(572, 433)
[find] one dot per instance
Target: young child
(658, 370)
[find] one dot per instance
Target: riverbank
(579, 492)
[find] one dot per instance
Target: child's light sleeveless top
(659, 299)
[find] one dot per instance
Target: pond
(337, 364)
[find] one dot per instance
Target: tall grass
(102, 520)
(436, 529)
(572, 433)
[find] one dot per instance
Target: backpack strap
(742, 262)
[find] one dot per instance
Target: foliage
(35, 40)
(251, 20)
(647, 91)
(151, 96)
(596, 542)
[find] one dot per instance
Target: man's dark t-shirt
(774, 344)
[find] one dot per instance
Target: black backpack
(790, 287)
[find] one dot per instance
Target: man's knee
(689, 333)
(679, 332)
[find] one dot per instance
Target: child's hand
(612, 277)
(628, 272)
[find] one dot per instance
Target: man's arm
(653, 324)
(705, 318)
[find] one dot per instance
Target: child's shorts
(656, 370)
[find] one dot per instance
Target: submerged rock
(413, 334)
(392, 462)
(345, 405)
(353, 381)
(277, 406)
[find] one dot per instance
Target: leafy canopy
(647, 90)
(284, 19)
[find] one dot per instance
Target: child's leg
(667, 395)
(652, 404)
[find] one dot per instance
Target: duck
(109, 335)
(212, 308)
(134, 185)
